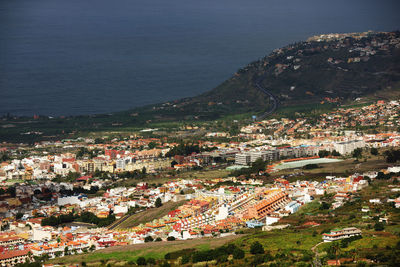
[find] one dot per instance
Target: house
(375, 201)
(338, 234)
(254, 224)
(11, 240)
(13, 257)
(384, 219)
(397, 202)
(293, 206)
(271, 219)
(365, 209)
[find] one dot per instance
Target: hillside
(338, 67)
(328, 69)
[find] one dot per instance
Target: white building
(242, 159)
(348, 146)
(271, 220)
(338, 234)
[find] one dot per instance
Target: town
(77, 196)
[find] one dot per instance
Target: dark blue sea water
(63, 57)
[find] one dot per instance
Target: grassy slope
(156, 250)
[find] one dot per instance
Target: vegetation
(392, 156)
(258, 166)
(158, 202)
(292, 246)
(315, 80)
(86, 217)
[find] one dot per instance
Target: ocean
(60, 57)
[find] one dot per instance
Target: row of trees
(183, 150)
(326, 153)
(87, 217)
(187, 149)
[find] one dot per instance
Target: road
(271, 97)
(118, 222)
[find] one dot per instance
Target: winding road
(271, 97)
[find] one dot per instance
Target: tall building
(242, 159)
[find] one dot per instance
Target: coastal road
(271, 97)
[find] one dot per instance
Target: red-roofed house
(10, 258)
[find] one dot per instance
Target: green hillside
(326, 70)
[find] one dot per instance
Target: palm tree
(336, 249)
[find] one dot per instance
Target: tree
(259, 165)
(148, 239)
(381, 176)
(323, 153)
(257, 260)
(141, 261)
(151, 261)
(238, 254)
(152, 145)
(357, 153)
(256, 248)
(158, 202)
(324, 206)
(19, 215)
(333, 251)
(185, 259)
(379, 226)
(392, 156)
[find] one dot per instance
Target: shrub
(141, 261)
(379, 226)
(158, 202)
(151, 261)
(311, 166)
(258, 259)
(238, 254)
(185, 259)
(324, 206)
(148, 239)
(256, 248)
(170, 238)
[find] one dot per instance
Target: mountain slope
(334, 68)
(344, 66)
